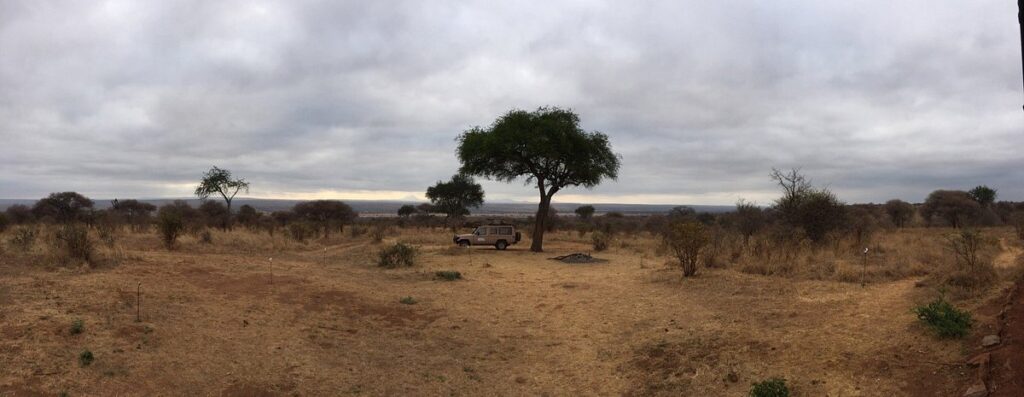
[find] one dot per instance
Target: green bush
(946, 320)
(448, 275)
(774, 387)
(408, 300)
(398, 255)
(77, 327)
(601, 240)
(85, 358)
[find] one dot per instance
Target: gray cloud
(875, 99)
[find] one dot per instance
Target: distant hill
(388, 208)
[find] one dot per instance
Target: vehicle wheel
(501, 245)
(463, 243)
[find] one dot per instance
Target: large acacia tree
(219, 181)
(547, 147)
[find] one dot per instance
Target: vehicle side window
(481, 231)
(493, 230)
(507, 231)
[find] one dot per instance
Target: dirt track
(240, 324)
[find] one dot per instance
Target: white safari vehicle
(499, 235)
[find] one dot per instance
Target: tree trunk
(538, 224)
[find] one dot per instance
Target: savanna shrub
(77, 327)
(85, 358)
(686, 239)
(601, 240)
(23, 238)
(299, 231)
(946, 320)
(774, 387)
(967, 246)
(1017, 219)
(448, 275)
(74, 240)
(398, 255)
(4, 222)
(170, 224)
(377, 233)
(205, 237)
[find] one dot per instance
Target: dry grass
(323, 319)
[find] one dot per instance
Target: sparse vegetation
(448, 275)
(170, 225)
(75, 242)
(600, 240)
(408, 300)
(686, 239)
(85, 358)
(947, 321)
(773, 387)
(205, 237)
(77, 327)
(397, 255)
(24, 237)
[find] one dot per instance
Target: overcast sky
(363, 99)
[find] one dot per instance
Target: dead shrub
(170, 224)
(600, 240)
(74, 241)
(687, 240)
(23, 238)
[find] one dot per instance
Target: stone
(990, 340)
(976, 390)
(980, 360)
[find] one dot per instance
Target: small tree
(816, 211)
(406, 210)
(954, 206)
(585, 212)
(547, 147)
(219, 181)
(455, 197)
(899, 211)
(749, 218)
(248, 216)
(984, 195)
(326, 214)
(19, 214)
(686, 239)
(64, 207)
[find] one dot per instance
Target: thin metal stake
(864, 272)
(138, 304)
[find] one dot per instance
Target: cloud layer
(364, 99)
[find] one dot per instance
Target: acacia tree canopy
(219, 181)
(547, 147)
(64, 207)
